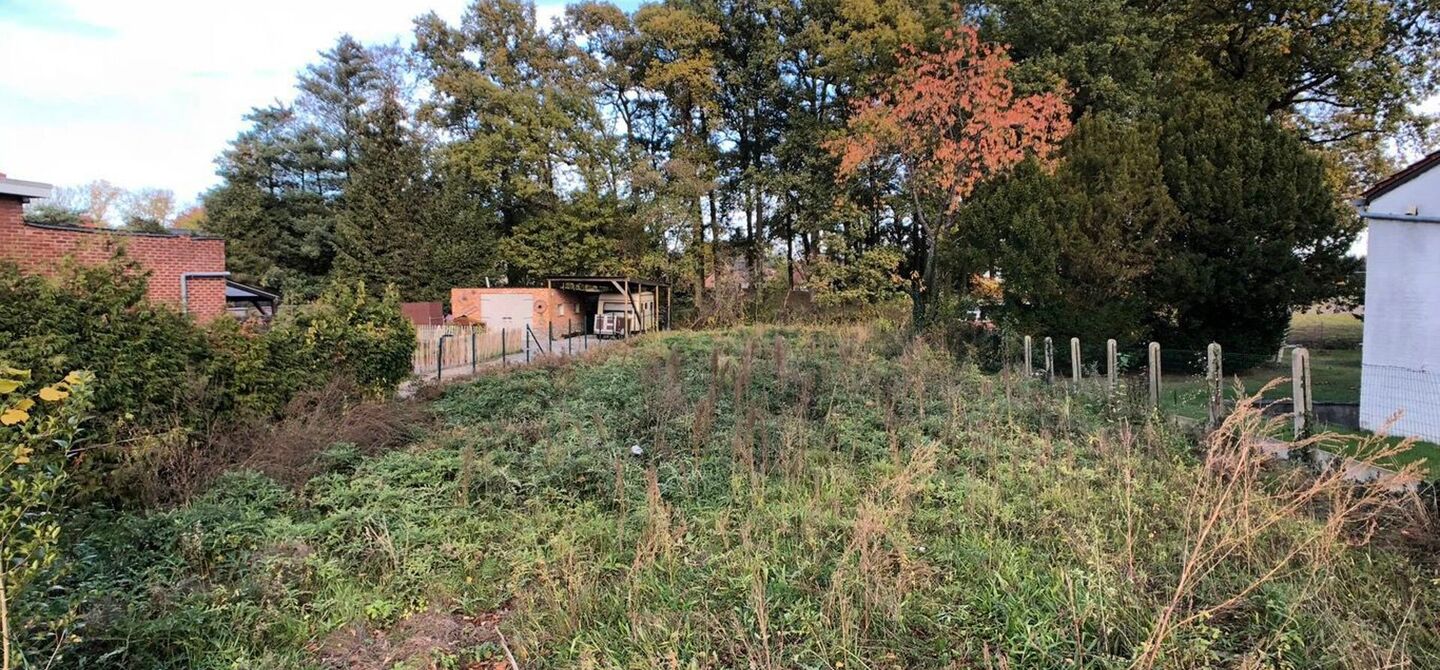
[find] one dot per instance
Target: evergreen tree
(276, 203)
(1073, 247)
(1261, 231)
(380, 233)
(338, 92)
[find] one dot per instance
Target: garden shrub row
(159, 372)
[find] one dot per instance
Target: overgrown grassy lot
(799, 498)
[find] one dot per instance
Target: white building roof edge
(25, 189)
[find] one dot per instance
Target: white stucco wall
(1401, 355)
(1422, 193)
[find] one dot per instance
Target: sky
(146, 93)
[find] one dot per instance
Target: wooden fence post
(1154, 372)
(1303, 392)
(1029, 370)
(1049, 361)
(1075, 361)
(473, 350)
(1214, 378)
(1111, 358)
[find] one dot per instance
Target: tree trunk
(698, 239)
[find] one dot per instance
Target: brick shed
(187, 271)
(515, 308)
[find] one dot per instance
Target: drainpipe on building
(185, 278)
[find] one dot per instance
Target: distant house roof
(25, 190)
(1396, 180)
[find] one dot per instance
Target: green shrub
(348, 332)
(38, 430)
(97, 319)
(166, 384)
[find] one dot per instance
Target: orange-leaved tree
(944, 122)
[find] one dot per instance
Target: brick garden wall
(40, 249)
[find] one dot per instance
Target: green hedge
(158, 370)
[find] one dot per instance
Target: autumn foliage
(950, 119)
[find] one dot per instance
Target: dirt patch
(419, 641)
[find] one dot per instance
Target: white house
(1401, 359)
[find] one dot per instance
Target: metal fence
(1198, 384)
(461, 347)
(1401, 401)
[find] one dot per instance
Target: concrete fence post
(1215, 381)
(1029, 368)
(1112, 373)
(1075, 361)
(1049, 361)
(1303, 391)
(1154, 372)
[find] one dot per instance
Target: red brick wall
(40, 249)
(547, 308)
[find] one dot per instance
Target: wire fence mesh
(1401, 401)
(1184, 388)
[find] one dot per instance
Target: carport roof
(604, 280)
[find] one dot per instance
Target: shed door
(509, 311)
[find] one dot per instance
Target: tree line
(1124, 169)
(98, 203)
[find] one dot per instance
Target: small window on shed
(562, 309)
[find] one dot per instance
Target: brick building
(514, 308)
(187, 271)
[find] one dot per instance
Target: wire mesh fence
(1184, 388)
(1401, 401)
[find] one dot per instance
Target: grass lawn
(1336, 375)
(1337, 379)
(754, 498)
(1326, 331)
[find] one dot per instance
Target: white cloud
(148, 93)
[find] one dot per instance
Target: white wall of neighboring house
(1401, 356)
